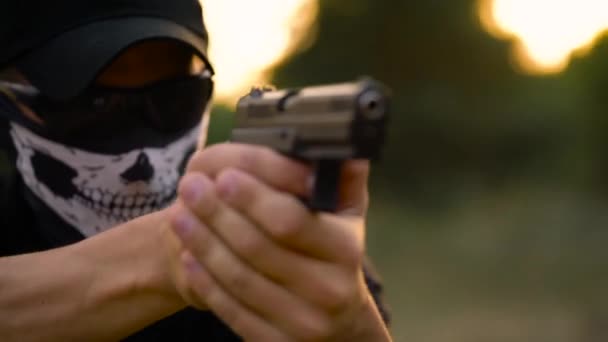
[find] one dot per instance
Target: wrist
(157, 264)
(103, 288)
(135, 264)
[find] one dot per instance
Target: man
(100, 128)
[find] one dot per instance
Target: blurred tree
(461, 114)
(591, 74)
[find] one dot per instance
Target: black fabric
(186, 325)
(158, 112)
(16, 237)
(62, 45)
(14, 211)
(21, 231)
(19, 234)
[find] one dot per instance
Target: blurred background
(490, 207)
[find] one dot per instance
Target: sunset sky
(249, 37)
(545, 32)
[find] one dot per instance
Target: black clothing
(22, 232)
(61, 46)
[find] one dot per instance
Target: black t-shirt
(22, 232)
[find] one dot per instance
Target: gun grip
(325, 189)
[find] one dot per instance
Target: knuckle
(197, 159)
(247, 160)
(265, 152)
(354, 253)
(208, 291)
(200, 245)
(289, 224)
(231, 315)
(257, 159)
(236, 320)
(250, 247)
(338, 295)
(239, 280)
(224, 307)
(201, 159)
(251, 157)
(315, 328)
(197, 242)
(195, 294)
(217, 148)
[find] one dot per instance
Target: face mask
(97, 183)
(93, 191)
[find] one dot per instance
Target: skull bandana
(94, 192)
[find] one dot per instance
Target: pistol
(324, 125)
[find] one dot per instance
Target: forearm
(103, 288)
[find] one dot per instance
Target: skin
(225, 249)
(111, 285)
(251, 265)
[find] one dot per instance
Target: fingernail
(184, 224)
(192, 191)
(227, 185)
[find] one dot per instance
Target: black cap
(62, 45)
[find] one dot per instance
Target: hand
(258, 258)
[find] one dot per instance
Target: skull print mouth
(94, 192)
(119, 207)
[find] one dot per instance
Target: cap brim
(67, 64)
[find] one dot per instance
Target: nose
(140, 171)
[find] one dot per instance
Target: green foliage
(221, 122)
(460, 110)
(489, 206)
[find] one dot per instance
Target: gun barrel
(337, 121)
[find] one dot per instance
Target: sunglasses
(169, 106)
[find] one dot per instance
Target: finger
(176, 247)
(272, 168)
(263, 297)
(243, 321)
(262, 253)
(287, 221)
(197, 191)
(284, 266)
(353, 191)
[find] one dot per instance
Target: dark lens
(79, 114)
(169, 106)
(178, 105)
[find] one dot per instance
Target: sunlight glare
(248, 38)
(546, 32)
